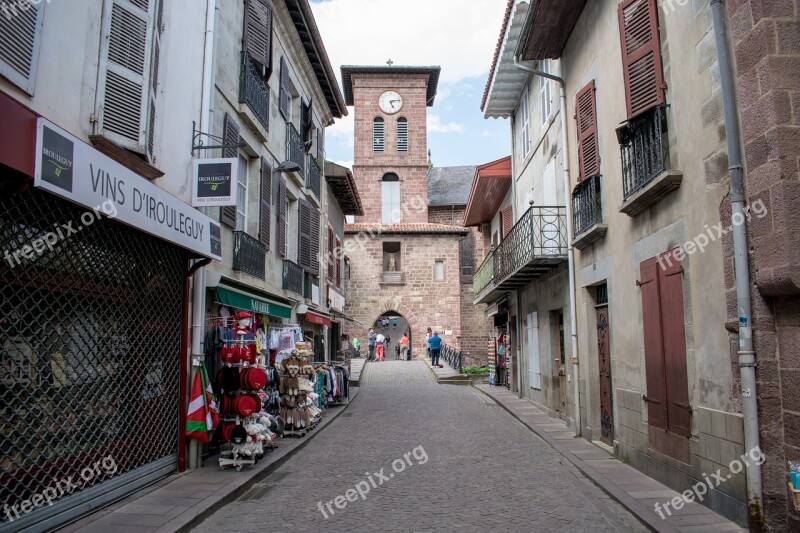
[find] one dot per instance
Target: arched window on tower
(402, 134)
(390, 199)
(377, 135)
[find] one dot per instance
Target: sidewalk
(630, 487)
(182, 501)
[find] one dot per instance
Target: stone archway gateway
(397, 324)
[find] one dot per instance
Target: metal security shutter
(20, 39)
(91, 345)
(123, 85)
(230, 138)
(586, 116)
(283, 95)
(506, 220)
(677, 393)
(258, 33)
(402, 134)
(653, 344)
(641, 55)
(265, 216)
(282, 213)
(377, 135)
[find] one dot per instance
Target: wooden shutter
(283, 207)
(123, 84)
(670, 286)
(586, 116)
(304, 234)
(653, 344)
(314, 240)
(258, 32)
(338, 260)
(20, 38)
(330, 254)
(306, 123)
(506, 220)
(266, 203)
(230, 138)
(641, 55)
(283, 101)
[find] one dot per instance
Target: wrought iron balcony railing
(586, 205)
(295, 150)
(644, 150)
(253, 90)
(539, 233)
(484, 274)
(314, 176)
(249, 255)
(292, 277)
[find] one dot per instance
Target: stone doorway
(397, 325)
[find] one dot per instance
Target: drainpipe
(747, 359)
(570, 255)
(199, 278)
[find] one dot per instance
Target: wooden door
(606, 394)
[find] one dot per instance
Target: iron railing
(540, 232)
(292, 277)
(253, 90)
(295, 149)
(485, 274)
(314, 175)
(586, 205)
(451, 356)
(249, 255)
(644, 150)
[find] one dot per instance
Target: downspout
(199, 278)
(570, 255)
(518, 341)
(747, 359)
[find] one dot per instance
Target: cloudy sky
(458, 35)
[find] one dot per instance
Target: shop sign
(70, 168)
(314, 318)
(251, 303)
(214, 182)
(337, 300)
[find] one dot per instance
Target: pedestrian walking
(428, 336)
(394, 323)
(379, 347)
(436, 347)
(404, 347)
(387, 344)
(371, 344)
(356, 347)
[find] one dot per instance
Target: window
(402, 134)
(544, 92)
(641, 55)
(391, 257)
(438, 270)
(377, 135)
(665, 344)
(390, 199)
(241, 195)
(526, 126)
(265, 216)
(230, 140)
(21, 37)
(467, 256)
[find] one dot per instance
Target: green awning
(251, 303)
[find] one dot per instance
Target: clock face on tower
(390, 102)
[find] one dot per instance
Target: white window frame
(241, 193)
(545, 97)
(526, 122)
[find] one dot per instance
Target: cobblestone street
(484, 470)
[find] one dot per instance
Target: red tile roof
(497, 49)
(426, 228)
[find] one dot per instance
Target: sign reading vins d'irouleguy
(214, 182)
(70, 168)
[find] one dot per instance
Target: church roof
(421, 228)
(349, 70)
(450, 185)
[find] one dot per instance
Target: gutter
(570, 250)
(746, 354)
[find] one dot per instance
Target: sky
(458, 35)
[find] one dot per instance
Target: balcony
(292, 277)
(253, 90)
(295, 150)
(536, 244)
(249, 255)
(314, 176)
(645, 161)
(587, 213)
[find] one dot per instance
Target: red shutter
(265, 217)
(586, 115)
(506, 220)
(258, 32)
(670, 285)
(282, 213)
(653, 347)
(641, 55)
(230, 138)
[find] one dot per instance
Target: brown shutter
(258, 32)
(338, 260)
(266, 203)
(653, 344)
(586, 115)
(670, 285)
(304, 234)
(506, 220)
(641, 55)
(230, 138)
(306, 123)
(283, 94)
(282, 213)
(314, 240)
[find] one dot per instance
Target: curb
(617, 494)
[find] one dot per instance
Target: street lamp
(287, 166)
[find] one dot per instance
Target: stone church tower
(401, 264)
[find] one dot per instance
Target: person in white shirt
(380, 339)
